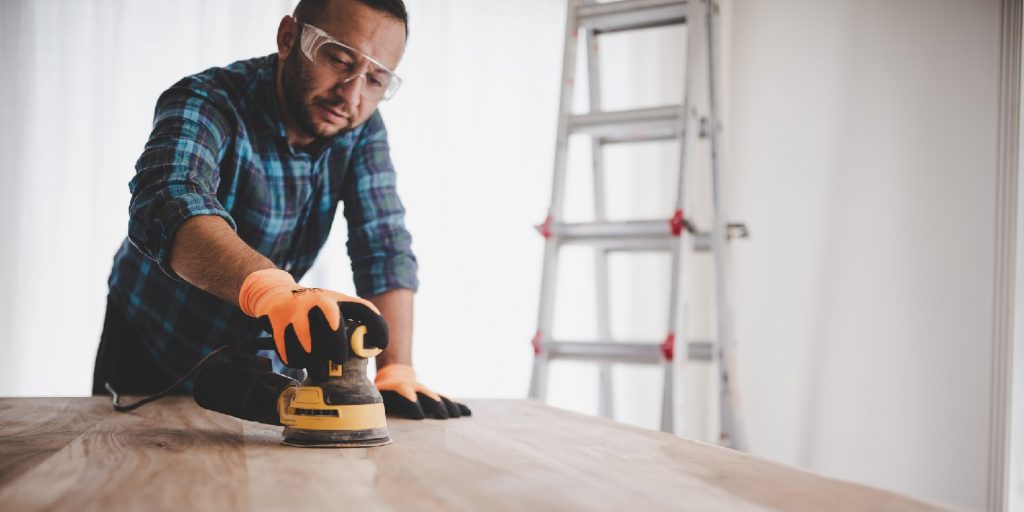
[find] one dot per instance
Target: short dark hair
(311, 11)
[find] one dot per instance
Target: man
(234, 196)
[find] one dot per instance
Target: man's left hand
(407, 398)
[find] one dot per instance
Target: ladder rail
(564, 112)
(602, 292)
(731, 436)
(549, 276)
(686, 128)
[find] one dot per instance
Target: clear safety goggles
(342, 60)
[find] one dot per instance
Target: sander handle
(244, 386)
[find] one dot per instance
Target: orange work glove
(306, 322)
(405, 397)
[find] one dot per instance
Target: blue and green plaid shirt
(218, 147)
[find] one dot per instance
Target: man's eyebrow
(374, 61)
(344, 50)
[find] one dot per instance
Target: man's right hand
(307, 323)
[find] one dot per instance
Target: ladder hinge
(705, 128)
(736, 230)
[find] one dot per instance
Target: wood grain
(160, 457)
(32, 429)
(75, 453)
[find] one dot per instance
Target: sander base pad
(328, 443)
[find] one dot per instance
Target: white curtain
(77, 90)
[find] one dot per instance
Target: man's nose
(351, 90)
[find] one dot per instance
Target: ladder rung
(701, 243)
(634, 235)
(604, 230)
(631, 14)
(628, 125)
(621, 352)
(701, 351)
(627, 244)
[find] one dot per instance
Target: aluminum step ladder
(674, 234)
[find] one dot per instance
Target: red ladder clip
(677, 223)
(536, 342)
(668, 347)
(545, 228)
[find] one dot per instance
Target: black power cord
(119, 407)
(266, 343)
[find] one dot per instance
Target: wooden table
(77, 454)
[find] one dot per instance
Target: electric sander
(336, 406)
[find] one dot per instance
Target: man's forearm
(396, 308)
(210, 256)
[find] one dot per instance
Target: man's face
(319, 102)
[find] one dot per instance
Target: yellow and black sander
(336, 406)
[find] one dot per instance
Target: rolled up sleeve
(378, 243)
(177, 175)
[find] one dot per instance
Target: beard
(296, 84)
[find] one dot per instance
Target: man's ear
(286, 39)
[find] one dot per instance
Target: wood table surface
(78, 454)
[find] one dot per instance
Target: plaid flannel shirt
(218, 147)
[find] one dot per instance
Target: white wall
(863, 154)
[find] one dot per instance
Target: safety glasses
(340, 59)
